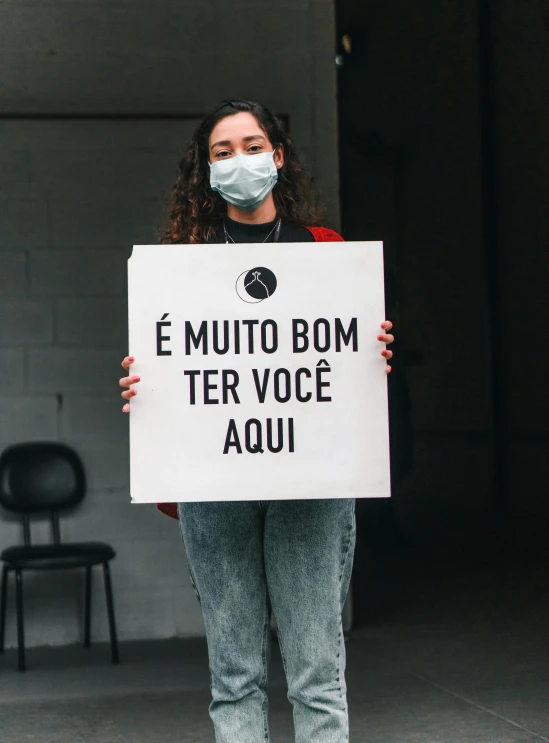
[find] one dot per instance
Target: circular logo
(256, 285)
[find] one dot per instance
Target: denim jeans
(291, 557)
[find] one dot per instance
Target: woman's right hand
(126, 382)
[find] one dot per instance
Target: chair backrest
(39, 477)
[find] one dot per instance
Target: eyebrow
(227, 142)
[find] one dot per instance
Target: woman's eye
(223, 153)
(255, 148)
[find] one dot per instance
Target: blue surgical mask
(244, 181)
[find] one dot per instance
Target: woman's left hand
(387, 338)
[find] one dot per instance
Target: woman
(241, 181)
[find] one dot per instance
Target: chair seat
(57, 556)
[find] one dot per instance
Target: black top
(242, 232)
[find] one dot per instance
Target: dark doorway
(432, 104)
(370, 186)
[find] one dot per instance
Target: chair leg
(20, 629)
(110, 611)
(3, 605)
(87, 608)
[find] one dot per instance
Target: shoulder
(325, 235)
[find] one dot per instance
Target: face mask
(244, 181)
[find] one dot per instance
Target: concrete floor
(455, 650)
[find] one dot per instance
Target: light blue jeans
(291, 557)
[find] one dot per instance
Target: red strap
(325, 235)
(170, 509)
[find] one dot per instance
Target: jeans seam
(281, 646)
(341, 642)
(264, 678)
(191, 574)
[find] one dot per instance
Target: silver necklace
(276, 227)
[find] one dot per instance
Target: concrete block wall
(63, 332)
(75, 195)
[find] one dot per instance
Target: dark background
(443, 115)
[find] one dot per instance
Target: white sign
(261, 373)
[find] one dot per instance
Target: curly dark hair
(195, 211)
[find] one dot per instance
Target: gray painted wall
(74, 196)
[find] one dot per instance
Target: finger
(126, 381)
(387, 354)
(126, 408)
(386, 338)
(127, 362)
(128, 394)
(386, 325)
(388, 369)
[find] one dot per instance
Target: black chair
(39, 478)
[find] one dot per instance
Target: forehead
(238, 126)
